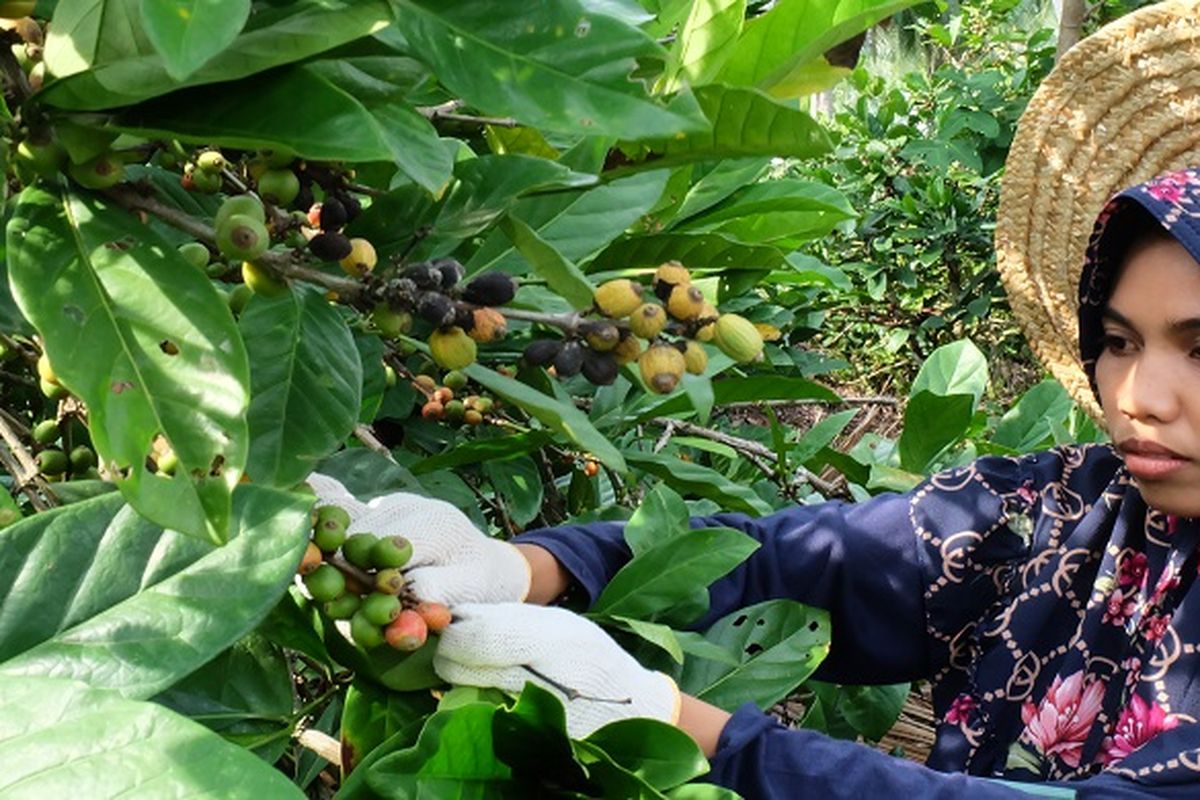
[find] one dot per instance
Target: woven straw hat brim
(1121, 106)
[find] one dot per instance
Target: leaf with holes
(305, 380)
(146, 341)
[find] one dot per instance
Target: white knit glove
(505, 645)
(453, 561)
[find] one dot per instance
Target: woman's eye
(1116, 344)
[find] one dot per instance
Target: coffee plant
(523, 259)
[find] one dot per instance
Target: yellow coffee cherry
(618, 298)
(662, 365)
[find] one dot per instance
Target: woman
(1048, 599)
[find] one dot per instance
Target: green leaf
(661, 515)
(780, 643)
(653, 632)
(700, 251)
(187, 33)
(103, 58)
(671, 570)
(694, 479)
(519, 483)
(787, 212)
(705, 42)
(1027, 425)
(660, 754)
(148, 607)
(793, 33)
(559, 417)
(332, 123)
(931, 424)
(557, 67)
(372, 715)
(743, 122)
(560, 275)
(821, 435)
(478, 451)
(306, 383)
(747, 390)
(575, 224)
(367, 474)
(374, 380)
(147, 342)
(873, 710)
(702, 791)
(531, 738)
(955, 368)
(60, 738)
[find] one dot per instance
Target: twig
(668, 430)
(362, 188)
(320, 743)
(815, 401)
(20, 464)
(575, 694)
(448, 111)
(365, 435)
(348, 569)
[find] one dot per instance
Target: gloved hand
(504, 645)
(453, 561)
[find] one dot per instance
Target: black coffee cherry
(490, 289)
(541, 352)
(333, 214)
(436, 309)
(600, 368)
(330, 246)
(569, 360)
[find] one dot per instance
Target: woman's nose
(1148, 389)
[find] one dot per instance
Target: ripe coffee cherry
(541, 352)
(648, 320)
(436, 309)
(450, 272)
(695, 358)
(82, 458)
(407, 632)
(600, 368)
(490, 289)
(662, 366)
(361, 260)
(330, 246)
(389, 581)
(618, 298)
(436, 615)
(737, 338)
(325, 583)
(569, 360)
(380, 609)
(394, 551)
(311, 559)
(279, 186)
(433, 410)
(487, 325)
(329, 535)
(706, 331)
(245, 204)
(668, 276)
(357, 549)
(46, 431)
(195, 254)
(685, 302)
(602, 336)
(342, 607)
(451, 348)
(333, 214)
(365, 633)
(52, 462)
(242, 237)
(472, 417)
(627, 350)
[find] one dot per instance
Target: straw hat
(1121, 106)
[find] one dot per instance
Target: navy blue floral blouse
(1047, 606)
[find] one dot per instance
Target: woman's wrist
(548, 579)
(702, 721)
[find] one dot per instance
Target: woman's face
(1148, 373)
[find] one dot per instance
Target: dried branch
(449, 111)
(320, 743)
(19, 463)
(367, 436)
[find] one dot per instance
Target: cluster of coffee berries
(355, 256)
(672, 323)
(53, 462)
(442, 404)
(364, 583)
(461, 316)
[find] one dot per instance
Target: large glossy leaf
(306, 383)
(725, 178)
(305, 108)
(661, 515)
(931, 424)
(560, 275)
(787, 212)
(147, 606)
(662, 755)
(104, 58)
(146, 341)
(779, 642)
(576, 224)
(531, 738)
(372, 714)
(793, 33)
(519, 485)
(746, 390)
(559, 417)
(1029, 424)
(706, 40)
(187, 33)
(700, 251)
(743, 122)
(477, 451)
(556, 66)
(60, 738)
(690, 478)
(670, 571)
(955, 368)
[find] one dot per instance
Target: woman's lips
(1146, 459)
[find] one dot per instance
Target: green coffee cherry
(239, 297)
(389, 581)
(279, 186)
(381, 608)
(195, 254)
(365, 633)
(325, 583)
(53, 391)
(46, 431)
(394, 551)
(333, 514)
(245, 204)
(211, 161)
(329, 535)
(342, 607)
(102, 172)
(205, 182)
(82, 458)
(54, 462)
(357, 549)
(455, 380)
(242, 237)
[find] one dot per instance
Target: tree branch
(20, 464)
(448, 111)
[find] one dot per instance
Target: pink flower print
(1139, 723)
(960, 710)
(1027, 493)
(1133, 670)
(1166, 582)
(1060, 726)
(1170, 188)
(1132, 570)
(1155, 626)
(1120, 607)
